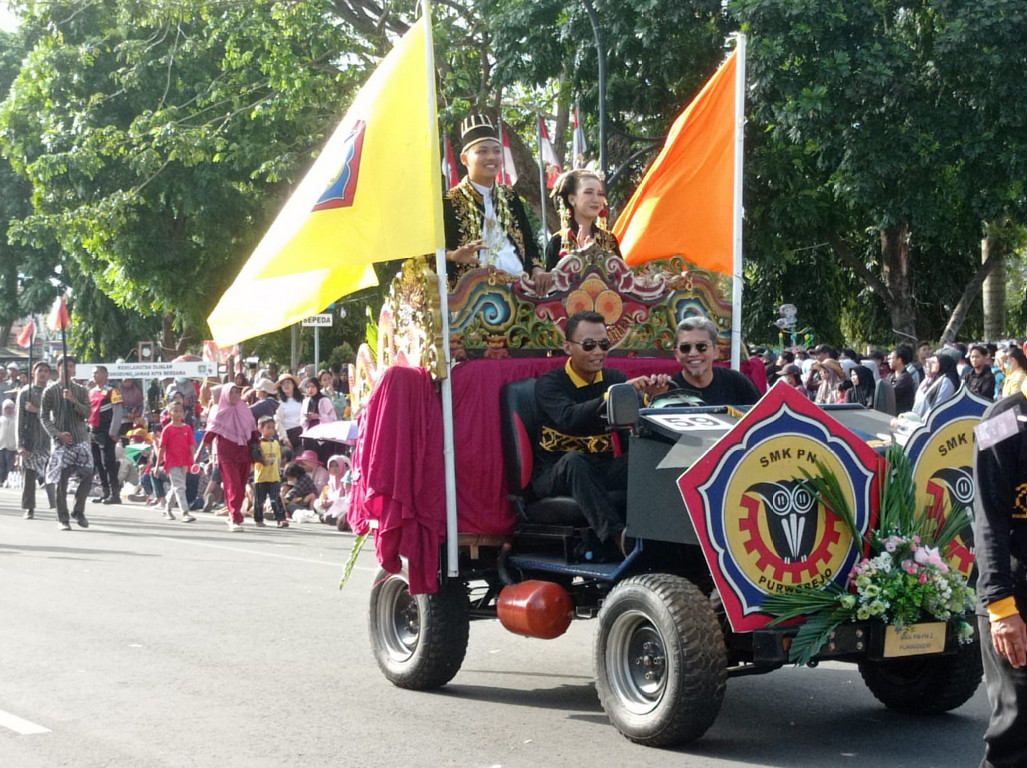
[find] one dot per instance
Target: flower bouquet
(902, 580)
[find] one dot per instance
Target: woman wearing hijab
(230, 430)
(862, 391)
(941, 381)
(317, 409)
(831, 375)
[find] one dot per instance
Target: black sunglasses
(685, 347)
(589, 344)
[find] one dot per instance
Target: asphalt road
(145, 642)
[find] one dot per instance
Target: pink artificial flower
(930, 556)
(909, 566)
(922, 578)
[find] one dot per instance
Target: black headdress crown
(476, 128)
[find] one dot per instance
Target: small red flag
(553, 169)
(508, 173)
(58, 317)
(449, 169)
(27, 334)
(578, 146)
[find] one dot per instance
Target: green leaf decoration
(903, 580)
(358, 542)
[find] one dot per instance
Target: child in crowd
(334, 499)
(266, 476)
(298, 493)
(8, 441)
(175, 453)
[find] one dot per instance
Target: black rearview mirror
(621, 406)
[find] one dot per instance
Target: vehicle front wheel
(927, 685)
(419, 641)
(660, 660)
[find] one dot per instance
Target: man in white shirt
(485, 221)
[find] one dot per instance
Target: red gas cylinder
(535, 608)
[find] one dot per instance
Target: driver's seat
(520, 423)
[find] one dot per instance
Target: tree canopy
(148, 145)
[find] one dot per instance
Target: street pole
(541, 175)
(317, 348)
(597, 32)
(294, 356)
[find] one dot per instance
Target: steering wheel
(676, 398)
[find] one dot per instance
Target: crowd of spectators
(920, 378)
(161, 458)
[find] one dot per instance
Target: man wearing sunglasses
(696, 351)
(575, 455)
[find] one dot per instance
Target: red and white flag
(552, 162)
(508, 173)
(58, 317)
(449, 169)
(578, 146)
(27, 334)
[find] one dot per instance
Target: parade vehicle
(716, 508)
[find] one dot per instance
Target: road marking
(20, 725)
(339, 564)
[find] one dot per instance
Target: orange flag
(58, 317)
(685, 203)
(27, 334)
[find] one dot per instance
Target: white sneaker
(234, 527)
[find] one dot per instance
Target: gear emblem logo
(760, 526)
(941, 453)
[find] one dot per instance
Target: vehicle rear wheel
(419, 641)
(660, 660)
(928, 685)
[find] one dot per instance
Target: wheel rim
(636, 660)
(399, 622)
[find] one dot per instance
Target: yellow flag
(372, 195)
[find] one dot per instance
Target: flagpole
(448, 453)
(736, 272)
(32, 340)
(541, 177)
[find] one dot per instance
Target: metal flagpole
(32, 341)
(736, 272)
(448, 454)
(541, 178)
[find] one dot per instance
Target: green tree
(157, 138)
(892, 119)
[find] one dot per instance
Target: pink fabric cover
(482, 506)
(398, 458)
(756, 372)
(400, 475)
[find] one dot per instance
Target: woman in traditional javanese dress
(581, 198)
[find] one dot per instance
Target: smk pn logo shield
(941, 453)
(762, 530)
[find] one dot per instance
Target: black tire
(419, 641)
(645, 619)
(928, 685)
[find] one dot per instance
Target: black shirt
(1000, 511)
(905, 390)
(572, 417)
(727, 388)
(981, 384)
